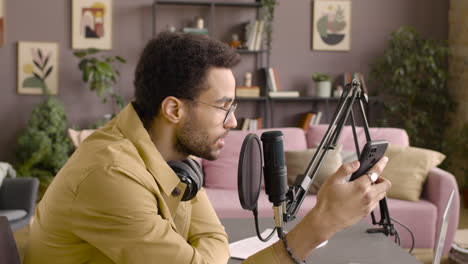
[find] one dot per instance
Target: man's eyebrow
(225, 99)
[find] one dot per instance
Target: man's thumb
(346, 169)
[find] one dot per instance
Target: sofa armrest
(437, 189)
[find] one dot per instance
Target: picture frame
(2, 22)
(331, 25)
(38, 67)
(92, 24)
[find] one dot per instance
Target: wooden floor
(425, 255)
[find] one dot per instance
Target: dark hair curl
(176, 64)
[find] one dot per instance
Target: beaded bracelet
(290, 253)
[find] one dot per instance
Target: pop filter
(249, 173)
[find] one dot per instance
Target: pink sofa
(422, 217)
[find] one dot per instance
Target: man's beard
(191, 140)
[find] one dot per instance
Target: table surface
(352, 245)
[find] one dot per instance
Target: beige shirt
(113, 202)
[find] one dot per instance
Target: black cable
(397, 238)
(411, 233)
(255, 213)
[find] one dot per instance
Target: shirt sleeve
(116, 214)
(206, 233)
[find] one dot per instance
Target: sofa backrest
(222, 173)
(396, 136)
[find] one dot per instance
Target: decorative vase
(324, 89)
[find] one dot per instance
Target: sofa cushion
(395, 136)
(298, 161)
(222, 173)
(407, 169)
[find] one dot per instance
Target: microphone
(275, 172)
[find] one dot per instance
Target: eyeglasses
(229, 111)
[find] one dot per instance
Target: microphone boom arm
(297, 193)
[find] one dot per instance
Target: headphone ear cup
(190, 174)
(199, 176)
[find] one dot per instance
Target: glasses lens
(231, 110)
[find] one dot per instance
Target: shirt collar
(129, 123)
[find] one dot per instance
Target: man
(117, 201)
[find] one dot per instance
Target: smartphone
(372, 152)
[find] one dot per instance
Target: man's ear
(172, 109)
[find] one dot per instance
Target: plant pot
(324, 89)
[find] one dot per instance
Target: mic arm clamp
(296, 193)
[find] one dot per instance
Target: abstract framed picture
(92, 24)
(331, 25)
(2, 22)
(37, 67)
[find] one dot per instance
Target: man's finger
(346, 169)
(377, 169)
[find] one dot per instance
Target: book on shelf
(249, 124)
(259, 35)
(254, 30)
(250, 34)
(310, 119)
(195, 30)
(316, 118)
(243, 91)
(305, 121)
(273, 75)
(271, 79)
(277, 94)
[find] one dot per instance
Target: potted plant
(411, 78)
(43, 148)
(322, 83)
(100, 74)
(267, 15)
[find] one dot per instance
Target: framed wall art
(2, 22)
(92, 24)
(331, 25)
(37, 67)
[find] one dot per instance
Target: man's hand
(342, 204)
(339, 204)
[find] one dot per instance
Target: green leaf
(33, 82)
(45, 62)
(86, 75)
(122, 60)
(92, 51)
(80, 54)
(40, 53)
(48, 72)
(37, 76)
(105, 68)
(83, 64)
(37, 65)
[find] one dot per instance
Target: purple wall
(49, 20)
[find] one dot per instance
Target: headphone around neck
(190, 173)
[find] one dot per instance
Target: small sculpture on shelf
(171, 28)
(338, 91)
(248, 79)
(198, 27)
(235, 42)
(199, 22)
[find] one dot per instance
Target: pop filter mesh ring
(246, 186)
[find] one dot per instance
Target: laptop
(439, 245)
